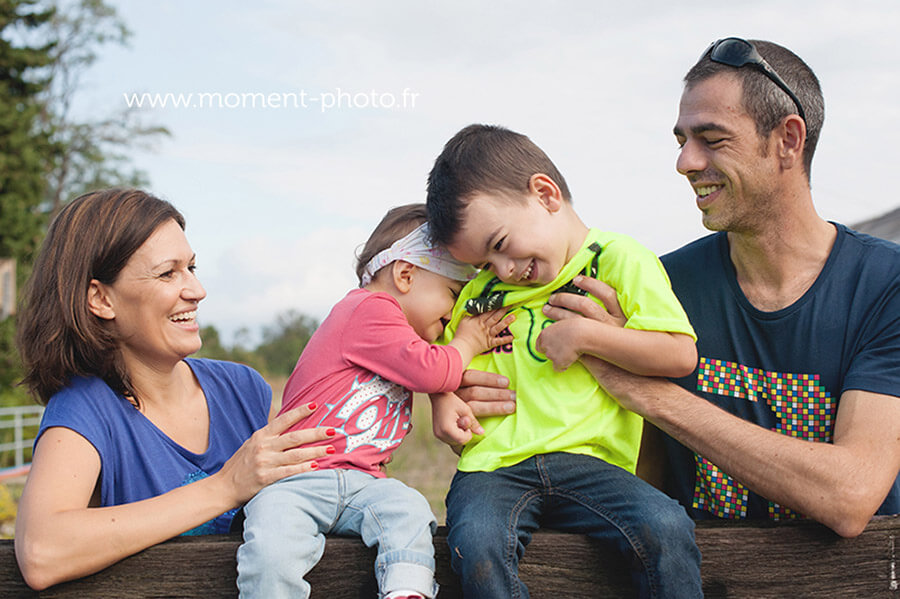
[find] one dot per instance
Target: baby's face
(517, 238)
(429, 303)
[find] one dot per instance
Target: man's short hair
(481, 159)
(764, 101)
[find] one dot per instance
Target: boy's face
(521, 239)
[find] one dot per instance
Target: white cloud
(596, 84)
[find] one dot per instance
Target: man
(793, 409)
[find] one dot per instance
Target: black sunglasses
(737, 52)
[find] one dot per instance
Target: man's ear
(792, 142)
(402, 272)
(99, 302)
(547, 191)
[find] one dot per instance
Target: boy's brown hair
(481, 159)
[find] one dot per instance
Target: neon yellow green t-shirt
(566, 411)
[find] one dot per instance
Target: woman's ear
(99, 302)
(547, 191)
(402, 271)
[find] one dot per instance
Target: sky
(323, 115)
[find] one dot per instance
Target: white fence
(17, 418)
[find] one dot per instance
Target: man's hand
(562, 306)
(486, 393)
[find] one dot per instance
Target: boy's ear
(402, 272)
(547, 191)
(99, 302)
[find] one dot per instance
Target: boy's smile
(523, 240)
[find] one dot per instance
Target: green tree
(90, 152)
(24, 153)
(282, 342)
(48, 154)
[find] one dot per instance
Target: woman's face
(153, 303)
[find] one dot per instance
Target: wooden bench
(789, 560)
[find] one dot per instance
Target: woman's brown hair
(93, 237)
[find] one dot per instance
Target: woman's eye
(192, 268)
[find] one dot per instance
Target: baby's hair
(396, 224)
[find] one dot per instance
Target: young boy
(566, 458)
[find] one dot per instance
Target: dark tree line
(48, 153)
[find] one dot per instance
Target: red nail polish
(330, 449)
(313, 466)
(330, 432)
(312, 406)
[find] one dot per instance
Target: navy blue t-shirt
(784, 370)
(139, 461)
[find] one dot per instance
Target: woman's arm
(60, 536)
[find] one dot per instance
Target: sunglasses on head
(737, 52)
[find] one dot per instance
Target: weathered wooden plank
(740, 560)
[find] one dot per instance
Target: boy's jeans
(284, 533)
(492, 516)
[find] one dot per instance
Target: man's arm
(839, 484)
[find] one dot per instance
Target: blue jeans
(492, 516)
(284, 533)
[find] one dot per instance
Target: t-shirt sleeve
(74, 408)
(644, 291)
(875, 367)
(382, 341)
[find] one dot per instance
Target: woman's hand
(270, 454)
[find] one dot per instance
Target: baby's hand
(452, 420)
(477, 334)
(559, 342)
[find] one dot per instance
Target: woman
(108, 321)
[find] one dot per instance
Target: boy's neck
(578, 232)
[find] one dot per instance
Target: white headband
(417, 249)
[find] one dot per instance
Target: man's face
(731, 169)
(518, 238)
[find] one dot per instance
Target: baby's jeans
(492, 516)
(284, 533)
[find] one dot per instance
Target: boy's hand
(560, 342)
(477, 334)
(452, 420)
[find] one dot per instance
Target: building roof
(886, 226)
